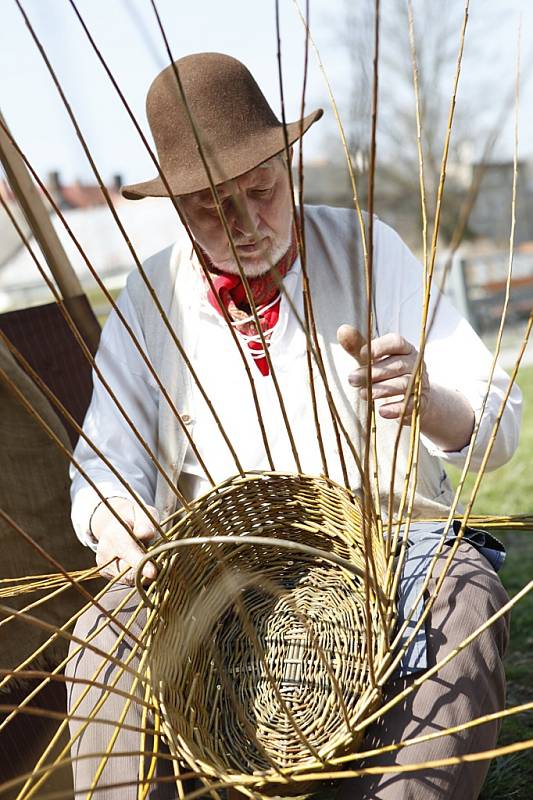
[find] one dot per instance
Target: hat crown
(224, 102)
(232, 119)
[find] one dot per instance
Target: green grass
(508, 491)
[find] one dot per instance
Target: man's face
(257, 207)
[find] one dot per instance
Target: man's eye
(262, 192)
(213, 210)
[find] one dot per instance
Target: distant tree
(437, 29)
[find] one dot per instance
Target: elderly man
(201, 303)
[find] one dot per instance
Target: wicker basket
(259, 658)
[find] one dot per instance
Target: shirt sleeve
(107, 426)
(455, 356)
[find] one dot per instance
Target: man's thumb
(352, 341)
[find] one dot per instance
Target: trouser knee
(106, 635)
(471, 594)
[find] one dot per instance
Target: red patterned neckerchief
(231, 294)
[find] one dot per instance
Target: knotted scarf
(230, 293)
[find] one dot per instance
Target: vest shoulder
(151, 266)
(160, 270)
(334, 217)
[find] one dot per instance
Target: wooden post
(35, 211)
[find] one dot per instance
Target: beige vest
(337, 280)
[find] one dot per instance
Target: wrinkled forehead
(256, 177)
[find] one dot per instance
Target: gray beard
(260, 267)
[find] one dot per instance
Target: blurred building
(325, 183)
(150, 226)
(491, 214)
(477, 279)
(79, 194)
(66, 196)
(10, 241)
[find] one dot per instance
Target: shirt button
(186, 419)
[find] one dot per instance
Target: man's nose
(241, 215)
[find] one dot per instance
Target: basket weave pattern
(259, 657)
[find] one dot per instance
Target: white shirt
(455, 357)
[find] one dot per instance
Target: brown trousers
(471, 685)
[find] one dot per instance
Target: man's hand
(393, 361)
(117, 549)
(446, 416)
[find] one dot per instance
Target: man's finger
(131, 554)
(149, 572)
(351, 340)
(121, 567)
(127, 571)
(392, 388)
(395, 410)
(384, 370)
(390, 344)
(122, 548)
(142, 527)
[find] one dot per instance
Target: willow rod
(374, 509)
(138, 264)
(222, 217)
(27, 790)
(493, 365)
(300, 229)
(208, 275)
(415, 382)
(41, 226)
(82, 344)
(197, 250)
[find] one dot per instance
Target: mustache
(256, 239)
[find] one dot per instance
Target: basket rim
(288, 544)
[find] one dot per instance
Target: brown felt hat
(238, 130)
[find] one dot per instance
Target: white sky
(243, 28)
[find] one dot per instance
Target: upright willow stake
(414, 387)
(392, 540)
(375, 510)
(420, 151)
(122, 230)
(222, 217)
(299, 225)
(470, 450)
(369, 264)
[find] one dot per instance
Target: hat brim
(230, 164)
